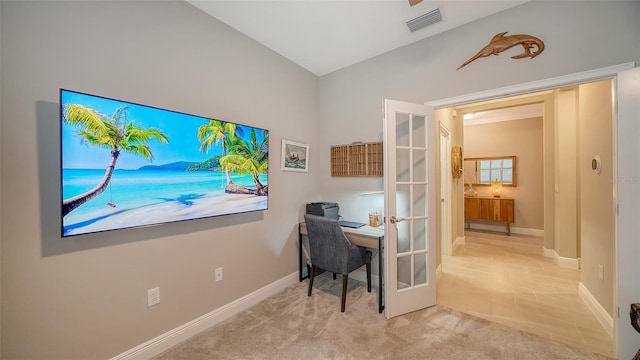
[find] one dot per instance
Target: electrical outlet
(218, 274)
(153, 296)
(601, 272)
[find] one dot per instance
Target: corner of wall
(460, 241)
(564, 262)
(600, 313)
(181, 333)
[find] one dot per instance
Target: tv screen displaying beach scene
(126, 165)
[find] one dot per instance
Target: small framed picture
(295, 156)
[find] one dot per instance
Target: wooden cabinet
(364, 159)
(489, 209)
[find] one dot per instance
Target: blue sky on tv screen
(181, 129)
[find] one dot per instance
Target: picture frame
(295, 156)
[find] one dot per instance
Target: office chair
(331, 251)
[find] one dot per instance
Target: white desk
(366, 236)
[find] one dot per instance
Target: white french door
(410, 201)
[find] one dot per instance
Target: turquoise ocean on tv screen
(129, 189)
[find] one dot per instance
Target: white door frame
(534, 86)
(626, 151)
(445, 192)
(609, 72)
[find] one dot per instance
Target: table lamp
(496, 188)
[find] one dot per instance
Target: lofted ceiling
(323, 36)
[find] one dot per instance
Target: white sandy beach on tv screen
(213, 204)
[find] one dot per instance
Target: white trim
(527, 231)
(564, 262)
(445, 186)
(361, 275)
(502, 228)
(571, 79)
(173, 337)
(439, 272)
(549, 253)
(460, 241)
(626, 281)
(600, 313)
(568, 263)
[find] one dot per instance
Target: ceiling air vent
(424, 20)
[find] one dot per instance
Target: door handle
(394, 219)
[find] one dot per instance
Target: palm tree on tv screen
(114, 133)
(248, 158)
(218, 132)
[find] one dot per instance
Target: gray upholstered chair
(330, 250)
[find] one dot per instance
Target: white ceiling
(506, 114)
(323, 36)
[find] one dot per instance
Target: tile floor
(506, 279)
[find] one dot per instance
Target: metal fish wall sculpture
(499, 43)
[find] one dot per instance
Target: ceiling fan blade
(414, 2)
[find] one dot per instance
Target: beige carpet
(290, 325)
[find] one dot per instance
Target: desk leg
(300, 255)
(380, 276)
(302, 260)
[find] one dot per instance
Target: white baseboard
(527, 231)
(503, 228)
(460, 240)
(173, 337)
(549, 253)
(601, 314)
(361, 276)
(569, 263)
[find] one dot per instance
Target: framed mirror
(481, 171)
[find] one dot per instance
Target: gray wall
(425, 71)
(85, 297)
(579, 36)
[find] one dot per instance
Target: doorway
(605, 73)
(500, 273)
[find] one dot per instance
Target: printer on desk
(326, 209)
(331, 210)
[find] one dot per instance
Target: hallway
(506, 279)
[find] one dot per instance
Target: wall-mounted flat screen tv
(125, 165)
